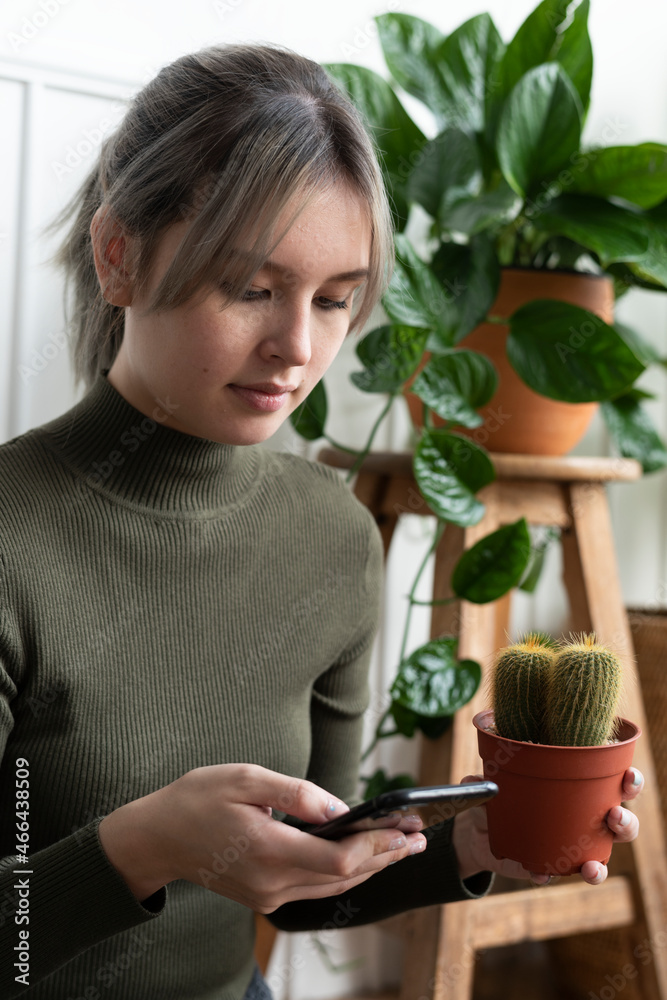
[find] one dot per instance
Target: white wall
(65, 67)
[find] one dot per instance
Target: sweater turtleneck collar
(117, 450)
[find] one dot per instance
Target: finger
(355, 854)
(471, 778)
(623, 824)
(633, 783)
(294, 796)
(411, 823)
(593, 872)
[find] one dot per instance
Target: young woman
(186, 618)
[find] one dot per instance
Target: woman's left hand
(471, 839)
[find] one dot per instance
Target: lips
(264, 397)
(272, 388)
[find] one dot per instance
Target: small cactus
(519, 688)
(582, 694)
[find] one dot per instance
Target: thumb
(295, 796)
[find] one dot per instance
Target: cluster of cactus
(563, 694)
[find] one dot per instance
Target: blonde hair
(226, 136)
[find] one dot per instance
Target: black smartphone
(435, 804)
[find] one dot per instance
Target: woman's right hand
(213, 827)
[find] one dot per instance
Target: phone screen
(435, 804)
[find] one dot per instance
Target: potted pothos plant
(530, 236)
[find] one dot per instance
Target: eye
(325, 303)
(254, 294)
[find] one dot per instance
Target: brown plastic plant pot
(550, 810)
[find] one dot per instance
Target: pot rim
(571, 272)
(481, 721)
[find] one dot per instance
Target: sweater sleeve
(426, 879)
(59, 900)
(339, 700)
(340, 695)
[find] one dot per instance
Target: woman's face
(234, 375)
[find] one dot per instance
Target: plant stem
(374, 430)
(379, 735)
(439, 529)
(340, 447)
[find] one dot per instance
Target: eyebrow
(360, 272)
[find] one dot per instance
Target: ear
(112, 252)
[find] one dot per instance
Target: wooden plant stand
(442, 942)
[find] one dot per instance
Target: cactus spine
(519, 688)
(583, 689)
(563, 695)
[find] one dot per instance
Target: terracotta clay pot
(550, 810)
(517, 419)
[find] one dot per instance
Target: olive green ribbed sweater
(168, 602)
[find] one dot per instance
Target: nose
(289, 335)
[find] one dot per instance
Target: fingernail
(598, 878)
(417, 846)
(413, 818)
(397, 843)
(636, 777)
(333, 805)
(625, 818)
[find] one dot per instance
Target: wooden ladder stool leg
(590, 563)
(442, 943)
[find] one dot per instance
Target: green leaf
(488, 211)
(415, 297)
(409, 45)
(310, 417)
(390, 355)
(567, 353)
(408, 722)
(625, 278)
(633, 432)
(652, 266)
(639, 346)
(448, 170)
(612, 232)
(432, 682)
(466, 64)
(635, 173)
(456, 384)
(543, 37)
(380, 782)
(493, 565)
(575, 53)
(449, 470)
(540, 127)
(396, 136)
(539, 547)
(469, 276)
